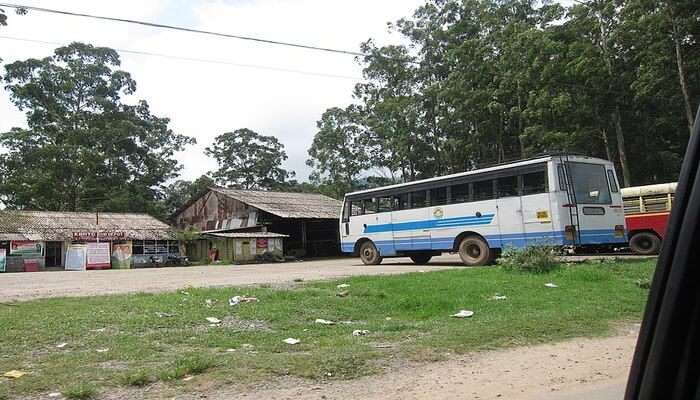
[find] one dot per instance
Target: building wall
(234, 249)
(217, 211)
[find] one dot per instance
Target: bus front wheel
(474, 251)
(369, 254)
(645, 243)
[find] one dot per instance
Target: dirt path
(566, 370)
(27, 286)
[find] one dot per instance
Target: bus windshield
(590, 183)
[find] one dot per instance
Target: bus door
(595, 219)
(537, 210)
(509, 212)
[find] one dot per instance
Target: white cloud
(204, 100)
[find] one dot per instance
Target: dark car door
(666, 362)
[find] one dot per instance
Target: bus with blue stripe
(556, 200)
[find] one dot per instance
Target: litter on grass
(102, 350)
(213, 320)
(292, 341)
(498, 296)
(463, 314)
(99, 330)
(186, 293)
(343, 286)
(61, 345)
(236, 300)
(164, 314)
(324, 322)
(14, 374)
(54, 395)
(360, 332)
(209, 302)
(551, 285)
(344, 293)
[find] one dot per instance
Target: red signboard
(107, 236)
(261, 243)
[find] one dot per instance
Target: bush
(535, 259)
(190, 365)
(137, 378)
(82, 391)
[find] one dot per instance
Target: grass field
(118, 341)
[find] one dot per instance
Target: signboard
(26, 247)
(76, 257)
(261, 243)
(121, 256)
(3, 260)
(98, 255)
(93, 236)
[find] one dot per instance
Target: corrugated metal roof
(287, 204)
(248, 235)
(55, 225)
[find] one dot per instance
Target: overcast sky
(203, 99)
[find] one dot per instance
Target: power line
(184, 29)
(202, 60)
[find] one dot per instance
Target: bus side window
(460, 193)
(356, 208)
(562, 177)
(346, 211)
(370, 206)
(534, 183)
(384, 204)
(438, 196)
(418, 199)
(613, 183)
(483, 190)
(401, 202)
(507, 186)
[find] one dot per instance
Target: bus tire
(369, 254)
(645, 243)
(474, 251)
(421, 259)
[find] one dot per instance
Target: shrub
(535, 259)
(190, 365)
(82, 391)
(137, 378)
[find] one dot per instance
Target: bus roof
(648, 190)
(518, 163)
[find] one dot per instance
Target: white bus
(558, 200)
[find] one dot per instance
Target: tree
(84, 148)
(248, 160)
(339, 152)
(181, 191)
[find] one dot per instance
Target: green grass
(82, 391)
(592, 299)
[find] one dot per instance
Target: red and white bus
(646, 215)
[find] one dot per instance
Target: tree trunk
(604, 134)
(627, 180)
(520, 124)
(684, 83)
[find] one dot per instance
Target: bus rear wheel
(369, 254)
(645, 243)
(474, 251)
(421, 259)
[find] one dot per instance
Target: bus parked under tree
(561, 200)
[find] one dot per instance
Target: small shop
(236, 247)
(33, 241)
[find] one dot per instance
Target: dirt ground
(577, 369)
(27, 286)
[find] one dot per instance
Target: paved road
(26, 286)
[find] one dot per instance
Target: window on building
(460, 193)
(419, 199)
(438, 196)
(173, 246)
(534, 183)
(137, 247)
(483, 190)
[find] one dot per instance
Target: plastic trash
(164, 314)
(360, 332)
(324, 322)
(551, 285)
(213, 320)
(209, 302)
(61, 345)
(344, 293)
(14, 374)
(236, 300)
(498, 296)
(102, 350)
(463, 314)
(343, 286)
(55, 395)
(292, 341)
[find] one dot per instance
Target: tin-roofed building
(35, 240)
(309, 220)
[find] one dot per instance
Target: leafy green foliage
(84, 149)
(249, 160)
(534, 259)
(82, 391)
(181, 191)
